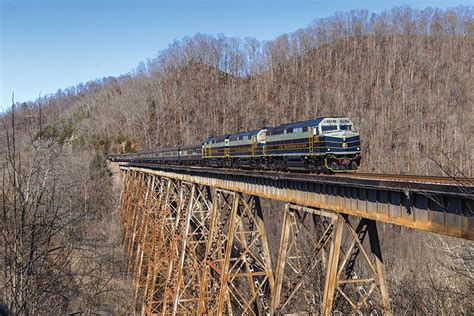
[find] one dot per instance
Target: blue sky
(51, 44)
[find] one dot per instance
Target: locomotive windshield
(328, 128)
(331, 124)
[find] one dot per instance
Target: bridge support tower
(202, 249)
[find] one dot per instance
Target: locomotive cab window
(328, 128)
(345, 127)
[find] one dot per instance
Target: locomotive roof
(223, 137)
(312, 122)
(248, 133)
(218, 138)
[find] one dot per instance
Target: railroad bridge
(198, 244)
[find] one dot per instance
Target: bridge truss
(198, 244)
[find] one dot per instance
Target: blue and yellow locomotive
(316, 145)
(328, 144)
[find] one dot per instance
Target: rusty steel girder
(197, 243)
(197, 248)
(433, 207)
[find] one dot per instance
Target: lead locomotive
(328, 144)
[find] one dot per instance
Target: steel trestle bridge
(198, 238)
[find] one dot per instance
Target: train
(320, 145)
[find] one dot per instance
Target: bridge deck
(439, 205)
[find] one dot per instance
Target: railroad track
(355, 175)
(412, 178)
(364, 180)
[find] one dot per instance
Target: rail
(436, 204)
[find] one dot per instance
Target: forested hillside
(404, 77)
